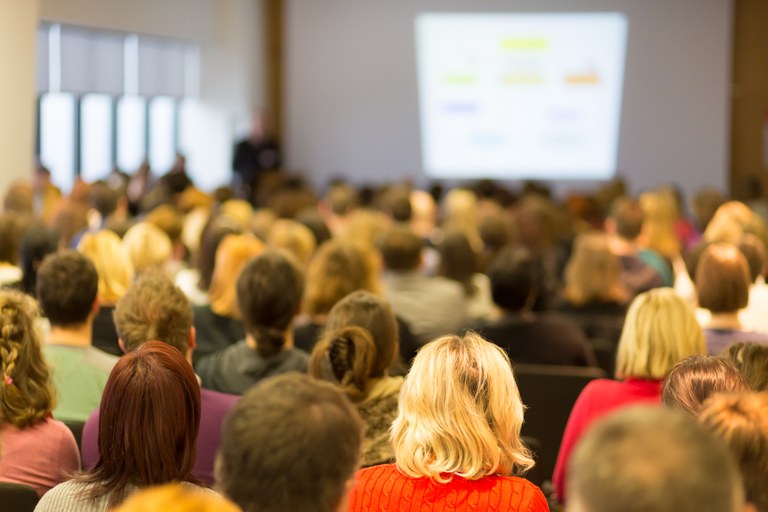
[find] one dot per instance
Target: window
(131, 132)
(96, 113)
(57, 137)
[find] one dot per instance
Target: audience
(67, 286)
(148, 425)
(116, 274)
(218, 323)
(741, 420)
(722, 286)
(154, 309)
(456, 437)
(660, 330)
(694, 379)
(269, 292)
(359, 346)
(291, 443)
(35, 449)
(460, 262)
(645, 459)
(526, 336)
(431, 306)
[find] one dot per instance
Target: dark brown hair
(269, 292)
(148, 423)
(694, 379)
(153, 309)
(722, 279)
(290, 443)
(628, 216)
(67, 284)
(458, 261)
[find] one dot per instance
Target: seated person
(318, 434)
(694, 379)
(269, 292)
(148, 426)
(67, 284)
(35, 449)
(529, 337)
(647, 458)
(155, 309)
(741, 420)
(456, 437)
(751, 359)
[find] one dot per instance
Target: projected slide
(511, 96)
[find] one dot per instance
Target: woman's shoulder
(69, 496)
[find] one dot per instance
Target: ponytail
(345, 356)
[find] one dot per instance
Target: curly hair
(26, 394)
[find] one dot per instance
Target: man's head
(649, 458)
(264, 466)
(401, 249)
(67, 284)
(625, 218)
(154, 309)
(514, 275)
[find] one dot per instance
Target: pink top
(599, 398)
(40, 456)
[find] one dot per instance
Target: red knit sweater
(385, 489)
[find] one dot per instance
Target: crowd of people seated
(357, 351)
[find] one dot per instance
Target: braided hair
(26, 395)
(345, 356)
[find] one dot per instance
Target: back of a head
(647, 458)
(722, 279)
(751, 359)
(460, 413)
(154, 309)
(294, 237)
(67, 285)
(265, 467)
(147, 246)
(458, 260)
(593, 272)
(104, 248)
(176, 498)
(401, 249)
(337, 269)
(36, 243)
(627, 216)
(148, 422)
(375, 315)
(26, 396)
(741, 420)
(233, 253)
(694, 379)
(269, 292)
(754, 251)
(660, 329)
(513, 275)
(103, 199)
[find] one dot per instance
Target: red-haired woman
(149, 420)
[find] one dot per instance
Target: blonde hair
(660, 214)
(147, 246)
(294, 237)
(112, 264)
(338, 269)
(460, 413)
(176, 498)
(231, 256)
(26, 394)
(660, 330)
(593, 272)
(239, 210)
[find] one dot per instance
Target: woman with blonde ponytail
(355, 353)
(35, 449)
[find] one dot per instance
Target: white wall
(351, 87)
(18, 29)
(231, 64)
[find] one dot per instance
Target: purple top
(720, 339)
(214, 407)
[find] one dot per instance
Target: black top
(539, 339)
(598, 320)
(214, 332)
(104, 336)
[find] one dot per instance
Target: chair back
(549, 393)
(77, 430)
(17, 497)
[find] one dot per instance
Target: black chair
(549, 392)
(77, 430)
(605, 353)
(17, 497)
